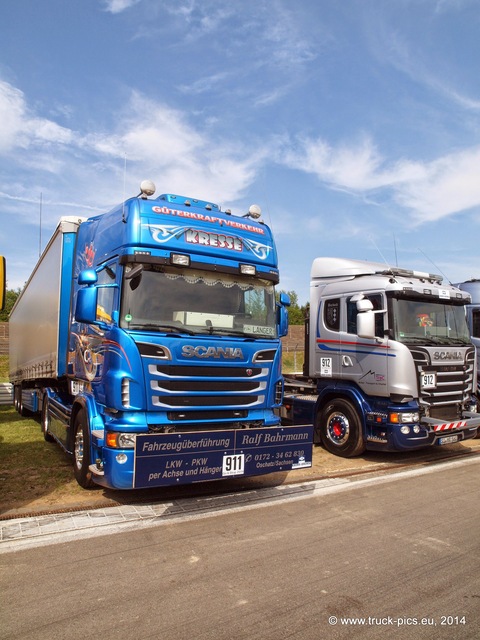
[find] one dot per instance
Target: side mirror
(282, 321)
(88, 277)
(282, 314)
(366, 324)
(364, 305)
(284, 299)
(86, 305)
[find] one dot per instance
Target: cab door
(328, 339)
(364, 360)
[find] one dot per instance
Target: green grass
(3, 368)
(34, 471)
(31, 469)
(292, 361)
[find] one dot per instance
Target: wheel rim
(78, 451)
(338, 428)
(45, 419)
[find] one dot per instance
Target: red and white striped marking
(450, 425)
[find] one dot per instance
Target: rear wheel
(22, 410)
(16, 398)
(45, 421)
(339, 427)
(81, 451)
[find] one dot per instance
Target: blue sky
(354, 124)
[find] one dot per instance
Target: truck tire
(45, 421)
(340, 429)
(16, 398)
(81, 451)
(23, 411)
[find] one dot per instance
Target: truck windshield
(429, 322)
(197, 302)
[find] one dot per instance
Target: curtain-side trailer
(473, 318)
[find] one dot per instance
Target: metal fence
(6, 393)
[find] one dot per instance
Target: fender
(85, 402)
(343, 390)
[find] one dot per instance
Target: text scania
(447, 355)
(227, 353)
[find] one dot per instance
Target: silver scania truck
(389, 363)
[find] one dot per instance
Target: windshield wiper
(453, 340)
(234, 332)
(161, 327)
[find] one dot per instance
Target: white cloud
(158, 142)
(20, 129)
(205, 84)
(450, 184)
(117, 6)
(429, 190)
(12, 110)
(359, 167)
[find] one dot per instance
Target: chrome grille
(198, 387)
(454, 381)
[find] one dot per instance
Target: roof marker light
(254, 212)
(147, 188)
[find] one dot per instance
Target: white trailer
(473, 318)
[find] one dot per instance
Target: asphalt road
(396, 556)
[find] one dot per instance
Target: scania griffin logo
(227, 353)
(447, 355)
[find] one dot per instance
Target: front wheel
(81, 451)
(339, 427)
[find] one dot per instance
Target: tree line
(296, 313)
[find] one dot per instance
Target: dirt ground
(325, 465)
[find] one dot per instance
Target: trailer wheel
(20, 408)
(340, 429)
(81, 451)
(45, 421)
(16, 401)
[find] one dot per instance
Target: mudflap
(182, 458)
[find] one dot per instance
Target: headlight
(405, 417)
(120, 440)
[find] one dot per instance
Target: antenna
(124, 184)
(40, 227)
(446, 277)
(383, 257)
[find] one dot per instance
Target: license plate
(233, 465)
(428, 380)
(448, 439)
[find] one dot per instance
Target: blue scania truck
(148, 340)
